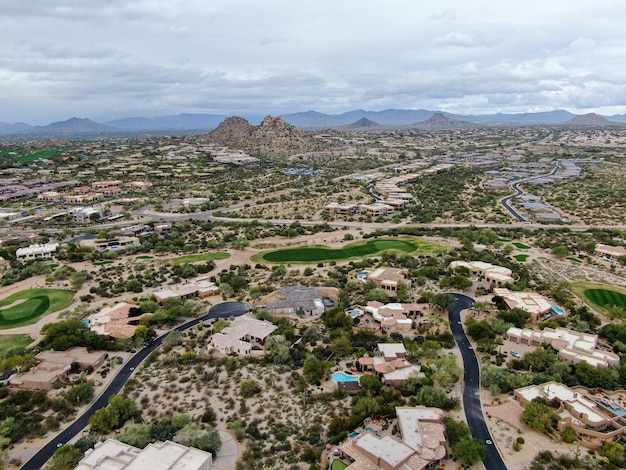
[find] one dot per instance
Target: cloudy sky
(121, 58)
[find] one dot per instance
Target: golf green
(316, 254)
(606, 298)
(521, 258)
(521, 246)
(27, 306)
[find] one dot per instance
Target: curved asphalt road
(471, 391)
(519, 191)
(45, 453)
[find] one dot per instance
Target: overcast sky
(121, 58)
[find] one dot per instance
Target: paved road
(45, 453)
(471, 391)
(519, 191)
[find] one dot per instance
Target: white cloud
(103, 59)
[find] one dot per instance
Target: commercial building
(112, 454)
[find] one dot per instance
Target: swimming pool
(353, 434)
(558, 310)
(612, 408)
(362, 276)
(355, 313)
(343, 377)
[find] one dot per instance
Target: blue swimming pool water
(558, 310)
(353, 313)
(370, 429)
(343, 377)
(353, 434)
(614, 408)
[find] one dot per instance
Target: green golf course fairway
(36, 303)
(599, 296)
(11, 342)
(606, 298)
(358, 250)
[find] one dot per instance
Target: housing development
(425, 296)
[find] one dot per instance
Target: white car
(514, 353)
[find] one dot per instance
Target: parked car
(514, 353)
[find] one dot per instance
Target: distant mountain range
(358, 120)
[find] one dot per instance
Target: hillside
(272, 138)
(363, 125)
(591, 119)
(440, 122)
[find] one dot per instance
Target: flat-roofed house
(573, 346)
(36, 251)
(53, 366)
(498, 275)
(611, 252)
(595, 418)
(112, 454)
(240, 336)
(388, 278)
(535, 304)
(341, 209)
(422, 444)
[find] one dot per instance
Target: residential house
(113, 454)
(44, 251)
(388, 279)
(54, 366)
(421, 445)
(241, 335)
(573, 346)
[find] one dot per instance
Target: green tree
(276, 350)
(65, 458)
(341, 346)
(447, 371)
(371, 383)
(137, 435)
(560, 251)
(219, 325)
(444, 301)
(174, 338)
(540, 416)
(614, 451)
(456, 430)
(208, 440)
(81, 393)
(101, 422)
(241, 243)
(469, 450)
(435, 397)
(315, 370)
(366, 407)
(249, 388)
